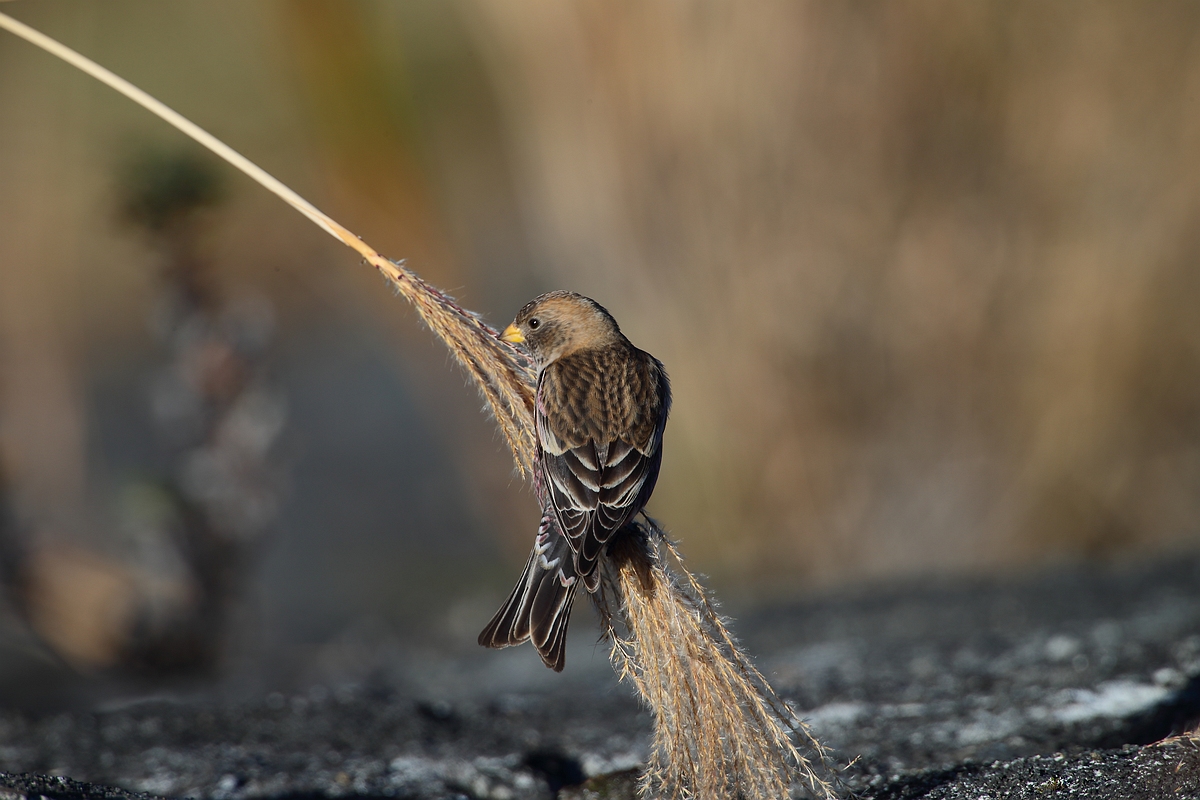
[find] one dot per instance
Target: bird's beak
(512, 335)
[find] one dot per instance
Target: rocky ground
(1072, 683)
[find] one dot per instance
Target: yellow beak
(512, 334)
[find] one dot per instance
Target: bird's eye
(534, 323)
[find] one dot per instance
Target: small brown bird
(602, 405)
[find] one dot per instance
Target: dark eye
(534, 323)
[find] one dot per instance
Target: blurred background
(924, 276)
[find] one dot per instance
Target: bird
(600, 411)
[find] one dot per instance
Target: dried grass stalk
(720, 731)
(502, 374)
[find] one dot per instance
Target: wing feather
(597, 477)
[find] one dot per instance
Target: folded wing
(601, 447)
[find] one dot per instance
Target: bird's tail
(539, 607)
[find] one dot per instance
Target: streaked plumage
(602, 405)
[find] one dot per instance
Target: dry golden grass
(720, 731)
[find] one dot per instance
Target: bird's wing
(595, 487)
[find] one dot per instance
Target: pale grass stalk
(504, 384)
(720, 731)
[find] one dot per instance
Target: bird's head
(560, 323)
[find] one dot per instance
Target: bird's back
(603, 395)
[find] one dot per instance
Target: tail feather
(539, 606)
(554, 650)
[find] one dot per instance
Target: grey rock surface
(1074, 682)
(938, 674)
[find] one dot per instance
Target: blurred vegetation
(924, 274)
